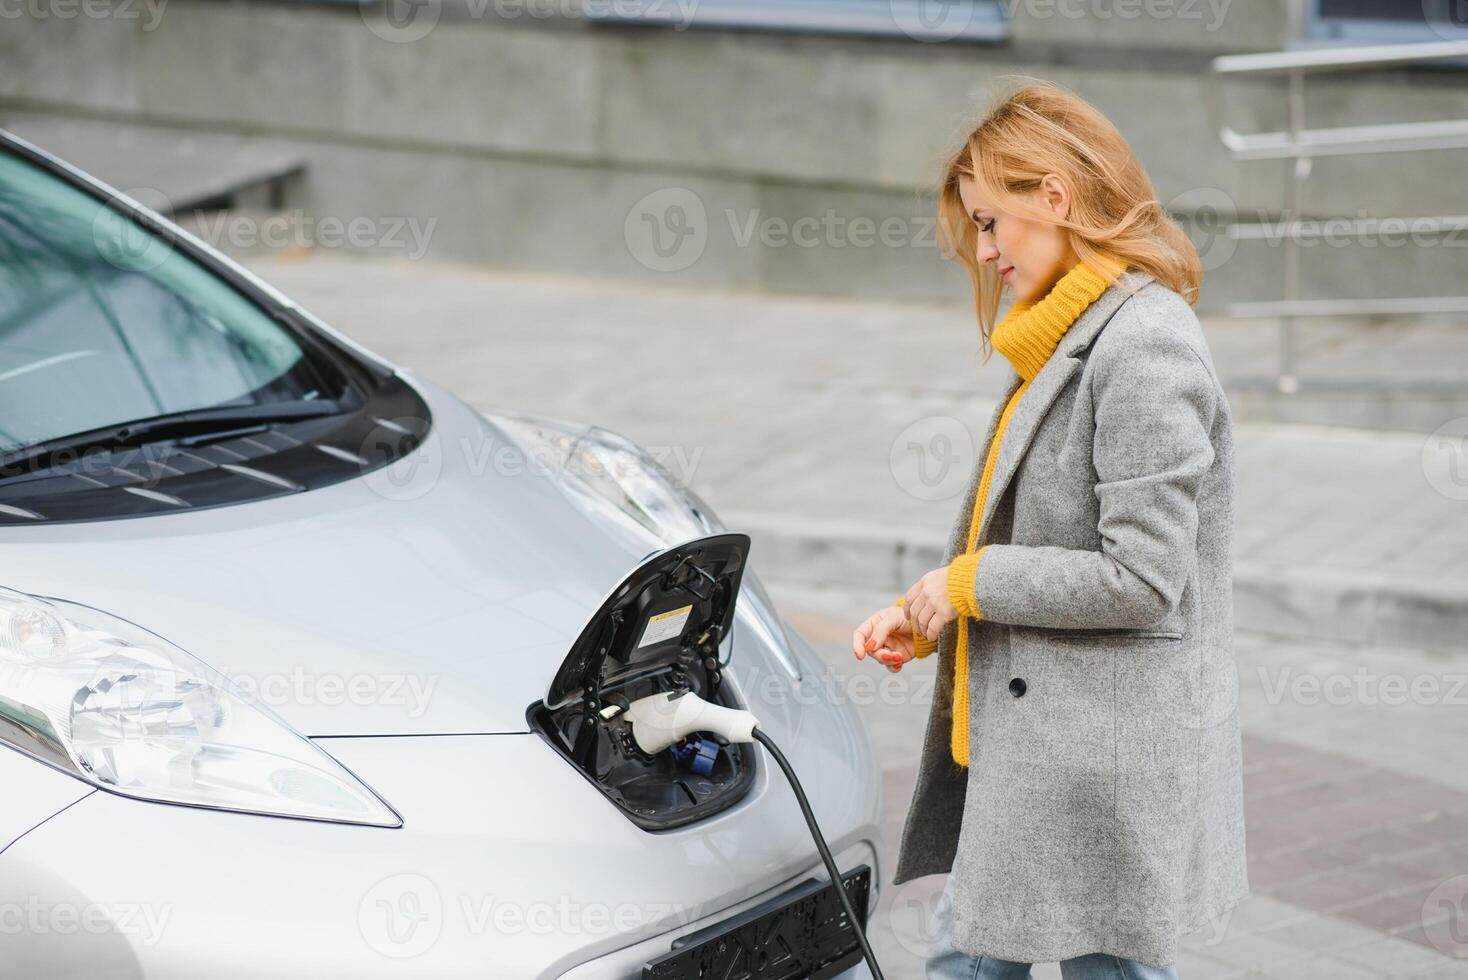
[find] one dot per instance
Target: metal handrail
(1429, 224)
(1338, 59)
(1447, 134)
(1302, 145)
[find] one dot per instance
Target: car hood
(432, 598)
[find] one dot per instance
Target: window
(923, 20)
(102, 323)
(1387, 21)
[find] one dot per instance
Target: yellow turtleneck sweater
(1026, 336)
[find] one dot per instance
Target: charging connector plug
(659, 720)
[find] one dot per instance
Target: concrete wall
(555, 144)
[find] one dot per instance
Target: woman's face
(1030, 255)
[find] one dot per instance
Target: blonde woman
(1080, 776)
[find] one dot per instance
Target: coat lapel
(1046, 387)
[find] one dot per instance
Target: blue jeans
(947, 963)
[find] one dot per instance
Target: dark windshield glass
(103, 323)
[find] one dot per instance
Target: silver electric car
(309, 669)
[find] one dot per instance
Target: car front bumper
(509, 864)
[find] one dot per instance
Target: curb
(1299, 601)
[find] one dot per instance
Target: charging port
(663, 628)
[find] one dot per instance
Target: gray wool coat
(1102, 809)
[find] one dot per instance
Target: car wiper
(159, 428)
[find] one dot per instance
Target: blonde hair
(1044, 128)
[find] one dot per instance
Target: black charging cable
(815, 831)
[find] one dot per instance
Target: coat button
(1016, 686)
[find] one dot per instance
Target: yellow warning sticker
(665, 625)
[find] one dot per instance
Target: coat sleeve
(1154, 401)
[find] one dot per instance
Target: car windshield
(104, 323)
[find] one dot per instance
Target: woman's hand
(887, 635)
(927, 603)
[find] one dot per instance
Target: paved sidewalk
(841, 434)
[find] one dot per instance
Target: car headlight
(128, 712)
(617, 479)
